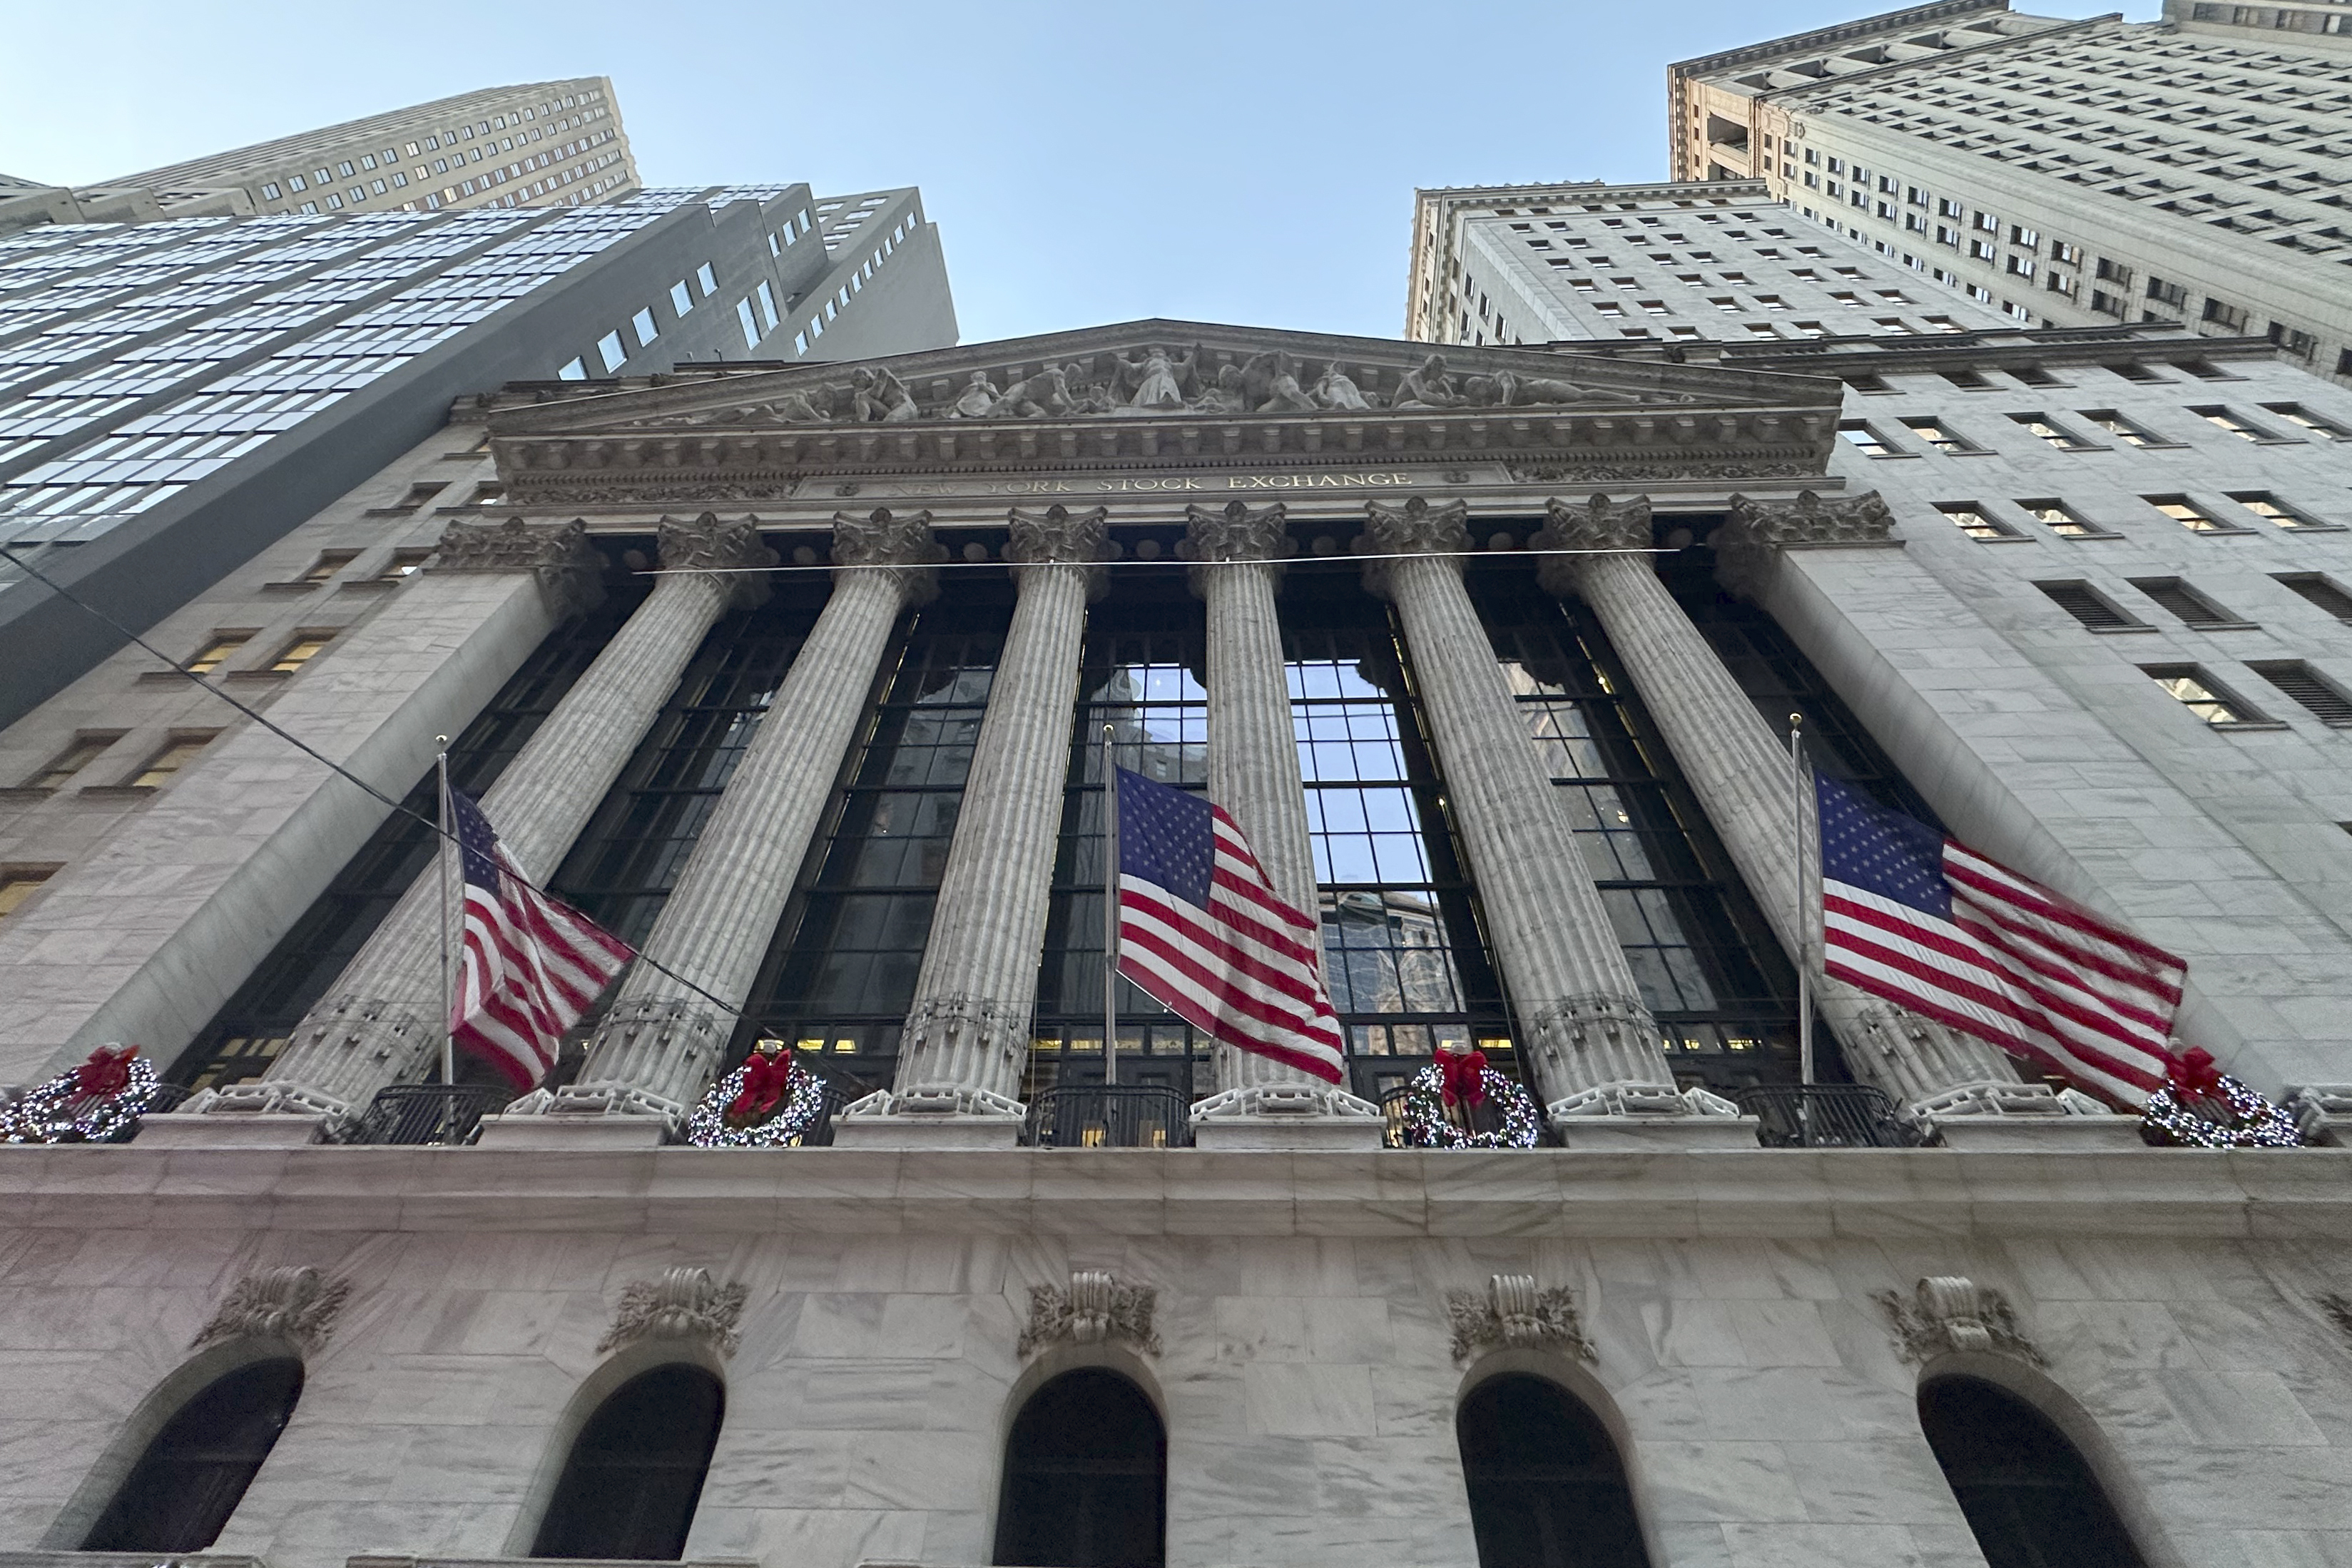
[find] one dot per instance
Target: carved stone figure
(1333, 389)
(1225, 395)
(1949, 1312)
(1283, 395)
(1088, 392)
(877, 396)
(1047, 392)
(1518, 391)
(1158, 378)
(1515, 1314)
(978, 399)
(1096, 1309)
(684, 1303)
(292, 1303)
(1427, 387)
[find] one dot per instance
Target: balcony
(1827, 1116)
(426, 1114)
(1109, 1116)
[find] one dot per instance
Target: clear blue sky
(1248, 161)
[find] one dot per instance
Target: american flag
(1201, 928)
(1926, 923)
(529, 967)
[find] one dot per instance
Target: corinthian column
(1254, 774)
(1592, 1045)
(381, 1021)
(655, 1048)
(967, 1035)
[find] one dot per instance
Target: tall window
(636, 1471)
(1085, 1477)
(1547, 1486)
(2029, 1497)
(840, 975)
(192, 1475)
(255, 1023)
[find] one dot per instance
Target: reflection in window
(840, 975)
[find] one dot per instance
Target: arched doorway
(636, 1471)
(194, 1472)
(1086, 1476)
(2027, 1494)
(1547, 1486)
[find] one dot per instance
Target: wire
(308, 750)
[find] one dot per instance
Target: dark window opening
(2088, 606)
(636, 1471)
(190, 1478)
(2029, 1497)
(1085, 1477)
(1546, 1485)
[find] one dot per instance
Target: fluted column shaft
(1589, 1038)
(656, 1047)
(967, 1035)
(1253, 742)
(381, 1022)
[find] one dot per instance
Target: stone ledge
(127, 1560)
(379, 1561)
(2295, 1194)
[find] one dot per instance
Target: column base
(1656, 1134)
(574, 1132)
(2038, 1134)
(230, 1129)
(931, 1130)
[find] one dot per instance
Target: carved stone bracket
(1415, 528)
(559, 554)
(1515, 1315)
(1060, 537)
(684, 1303)
(1948, 1312)
(1599, 524)
(1234, 532)
(883, 538)
(292, 1303)
(1096, 1309)
(1756, 531)
(707, 544)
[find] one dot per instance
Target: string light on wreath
(769, 1102)
(1440, 1099)
(2204, 1108)
(97, 1102)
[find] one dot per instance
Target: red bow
(1461, 1077)
(765, 1079)
(106, 1072)
(2193, 1073)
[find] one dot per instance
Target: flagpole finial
(1796, 721)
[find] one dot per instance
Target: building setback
(2187, 171)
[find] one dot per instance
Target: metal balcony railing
(1827, 1116)
(426, 1114)
(1107, 1116)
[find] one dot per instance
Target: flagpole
(443, 847)
(1804, 923)
(1111, 911)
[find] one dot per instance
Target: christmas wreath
(97, 1102)
(1439, 1102)
(767, 1103)
(2204, 1108)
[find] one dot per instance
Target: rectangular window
(86, 748)
(217, 652)
(708, 278)
(749, 322)
(572, 370)
(2188, 514)
(2193, 608)
(2201, 695)
(331, 561)
(2042, 425)
(609, 350)
(2090, 607)
(1941, 436)
(19, 884)
(680, 299)
(2058, 517)
(2222, 419)
(404, 564)
(301, 651)
(1867, 441)
(2264, 504)
(643, 322)
(2132, 370)
(176, 755)
(2124, 429)
(2318, 591)
(2295, 413)
(768, 305)
(1971, 519)
(2313, 692)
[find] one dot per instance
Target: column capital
(710, 544)
(1415, 528)
(1234, 532)
(1059, 537)
(1757, 531)
(883, 538)
(1599, 524)
(557, 554)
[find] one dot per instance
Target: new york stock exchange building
(801, 682)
